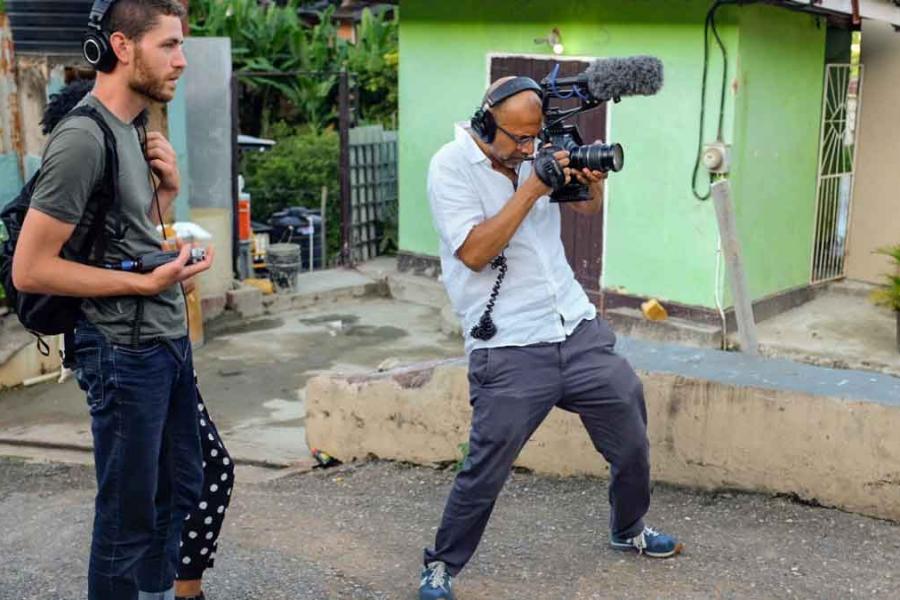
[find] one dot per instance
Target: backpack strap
(96, 240)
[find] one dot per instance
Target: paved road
(357, 532)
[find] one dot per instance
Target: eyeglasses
(521, 141)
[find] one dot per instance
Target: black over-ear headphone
(483, 123)
(96, 47)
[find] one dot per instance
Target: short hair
(134, 18)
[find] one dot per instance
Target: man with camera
(131, 348)
(533, 338)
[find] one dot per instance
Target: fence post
(323, 238)
(235, 170)
(344, 124)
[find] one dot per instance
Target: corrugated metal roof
(48, 26)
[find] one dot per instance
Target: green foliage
(293, 173)
(889, 295)
(389, 229)
(374, 60)
(461, 461)
(272, 39)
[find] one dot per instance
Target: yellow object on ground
(654, 311)
(264, 285)
(195, 314)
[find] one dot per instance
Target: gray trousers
(512, 390)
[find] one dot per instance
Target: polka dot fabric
(199, 538)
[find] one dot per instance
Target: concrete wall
(19, 356)
(703, 433)
(207, 112)
(660, 240)
(875, 220)
(10, 138)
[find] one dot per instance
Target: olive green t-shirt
(73, 165)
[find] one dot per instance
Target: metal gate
(373, 190)
(841, 100)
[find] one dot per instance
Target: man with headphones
(533, 338)
(132, 351)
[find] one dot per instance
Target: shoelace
(640, 540)
(438, 574)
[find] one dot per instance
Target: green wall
(779, 103)
(660, 240)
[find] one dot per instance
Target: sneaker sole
(629, 548)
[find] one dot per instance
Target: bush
(293, 173)
(889, 295)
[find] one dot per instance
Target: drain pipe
(717, 292)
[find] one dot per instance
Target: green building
(655, 238)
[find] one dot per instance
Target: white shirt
(540, 299)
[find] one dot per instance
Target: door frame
(489, 57)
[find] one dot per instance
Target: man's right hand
(537, 185)
(177, 271)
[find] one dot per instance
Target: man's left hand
(164, 162)
(587, 177)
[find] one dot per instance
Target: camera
(604, 80)
(596, 157)
(152, 260)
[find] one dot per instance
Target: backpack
(44, 314)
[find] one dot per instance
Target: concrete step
(850, 287)
(829, 358)
(406, 287)
(632, 323)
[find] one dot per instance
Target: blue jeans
(144, 420)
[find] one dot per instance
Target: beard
(148, 84)
(513, 161)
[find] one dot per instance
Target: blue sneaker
(649, 542)
(436, 582)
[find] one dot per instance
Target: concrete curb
(87, 449)
(704, 433)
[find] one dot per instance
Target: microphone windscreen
(609, 78)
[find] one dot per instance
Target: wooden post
(185, 24)
(731, 246)
(324, 226)
(344, 123)
(235, 171)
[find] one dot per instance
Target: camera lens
(597, 157)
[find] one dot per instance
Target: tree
(288, 70)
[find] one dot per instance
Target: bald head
(524, 101)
